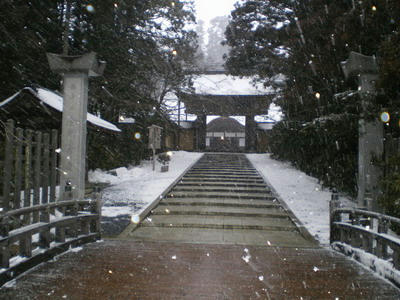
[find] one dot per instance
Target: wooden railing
(34, 226)
(368, 231)
(59, 225)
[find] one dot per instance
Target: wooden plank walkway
(242, 244)
(120, 269)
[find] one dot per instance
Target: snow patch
(382, 267)
(302, 194)
(133, 189)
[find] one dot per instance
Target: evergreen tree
(29, 30)
(215, 49)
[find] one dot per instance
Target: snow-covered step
(221, 189)
(220, 236)
(221, 202)
(222, 177)
(222, 180)
(223, 172)
(225, 184)
(230, 195)
(216, 222)
(275, 212)
(226, 168)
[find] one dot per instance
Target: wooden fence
(34, 226)
(29, 168)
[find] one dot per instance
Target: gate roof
(220, 94)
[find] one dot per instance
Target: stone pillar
(201, 132)
(250, 130)
(370, 140)
(75, 70)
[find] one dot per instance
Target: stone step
(230, 195)
(220, 173)
(223, 168)
(222, 180)
(227, 184)
(220, 189)
(216, 222)
(218, 210)
(212, 183)
(224, 226)
(220, 202)
(219, 176)
(220, 236)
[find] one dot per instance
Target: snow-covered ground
(302, 193)
(133, 189)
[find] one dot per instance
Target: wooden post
(45, 169)
(97, 210)
(8, 164)
(25, 246)
(333, 205)
(44, 236)
(36, 173)
(27, 174)
(53, 165)
(4, 256)
(18, 168)
(4, 248)
(28, 168)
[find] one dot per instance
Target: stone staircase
(221, 200)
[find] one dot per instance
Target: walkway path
(220, 234)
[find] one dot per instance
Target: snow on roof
(221, 84)
(55, 101)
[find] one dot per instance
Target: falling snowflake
(315, 269)
(173, 257)
(261, 278)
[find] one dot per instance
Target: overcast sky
(209, 9)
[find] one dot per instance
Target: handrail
(52, 205)
(365, 230)
(74, 222)
(368, 213)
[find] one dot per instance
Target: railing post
(381, 245)
(96, 209)
(36, 173)
(4, 248)
(333, 205)
(44, 237)
(25, 246)
(18, 168)
(4, 256)
(28, 174)
(8, 164)
(396, 257)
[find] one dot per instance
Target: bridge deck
(234, 241)
(120, 269)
